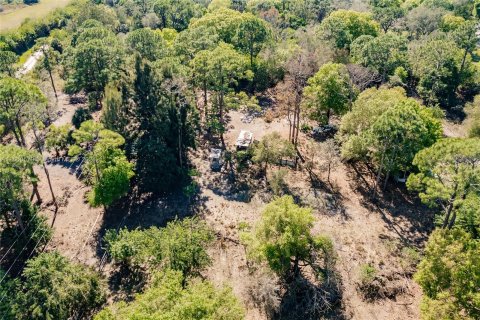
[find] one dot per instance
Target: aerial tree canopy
(342, 27)
(170, 298)
(449, 275)
(329, 90)
(449, 172)
(283, 239)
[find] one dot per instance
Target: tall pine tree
(165, 121)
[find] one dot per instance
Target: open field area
(11, 19)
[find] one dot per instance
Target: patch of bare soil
(76, 223)
(453, 129)
(364, 232)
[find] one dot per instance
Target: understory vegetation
(152, 89)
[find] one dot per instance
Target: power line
(36, 245)
(23, 249)
(18, 237)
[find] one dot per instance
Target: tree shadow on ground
(305, 300)
(125, 283)
(327, 195)
(74, 165)
(141, 212)
(231, 189)
(394, 204)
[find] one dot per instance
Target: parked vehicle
(216, 159)
(323, 132)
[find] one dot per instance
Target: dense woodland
(158, 81)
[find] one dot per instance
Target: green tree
(219, 4)
(271, 149)
(17, 98)
(437, 64)
(49, 59)
(422, 21)
(449, 173)
(193, 40)
(283, 239)
(201, 76)
(399, 133)
(466, 39)
(8, 303)
(148, 43)
(96, 60)
(251, 35)
(449, 275)
(451, 22)
(115, 113)
(383, 54)
(37, 116)
(55, 288)
(224, 21)
(219, 70)
(181, 245)
(166, 126)
(366, 109)
(170, 298)
(16, 170)
(387, 12)
(57, 138)
(176, 14)
(7, 62)
(328, 90)
(107, 167)
(342, 27)
(115, 173)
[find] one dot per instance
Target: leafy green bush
(181, 246)
(171, 297)
(283, 239)
(367, 274)
(52, 288)
(276, 181)
(449, 275)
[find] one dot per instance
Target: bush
(181, 246)
(67, 287)
(370, 284)
(367, 274)
(276, 181)
(81, 115)
(172, 297)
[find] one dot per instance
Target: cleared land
(13, 19)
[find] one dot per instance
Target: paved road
(30, 63)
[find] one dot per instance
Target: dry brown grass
(14, 18)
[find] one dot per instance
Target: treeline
(164, 72)
(24, 37)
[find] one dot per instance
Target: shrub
(181, 245)
(81, 115)
(276, 181)
(367, 274)
(172, 297)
